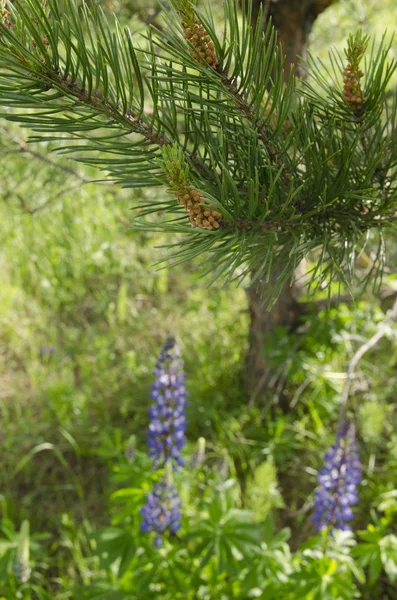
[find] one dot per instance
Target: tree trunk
(293, 20)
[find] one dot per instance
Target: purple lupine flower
(166, 433)
(338, 480)
(45, 350)
(162, 511)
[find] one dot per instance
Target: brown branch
(391, 316)
(202, 48)
(137, 124)
(102, 105)
(263, 132)
(25, 148)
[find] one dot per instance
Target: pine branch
(263, 131)
(45, 76)
(263, 51)
(263, 172)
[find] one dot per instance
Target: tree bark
(293, 20)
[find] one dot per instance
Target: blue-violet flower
(338, 480)
(162, 511)
(166, 433)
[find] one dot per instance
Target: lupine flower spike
(166, 434)
(338, 480)
(162, 511)
(166, 438)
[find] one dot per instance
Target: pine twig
(262, 130)
(25, 148)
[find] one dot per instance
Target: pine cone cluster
(352, 90)
(199, 216)
(199, 38)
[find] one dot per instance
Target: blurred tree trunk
(293, 20)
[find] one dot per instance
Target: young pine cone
(352, 90)
(201, 41)
(204, 216)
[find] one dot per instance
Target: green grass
(77, 279)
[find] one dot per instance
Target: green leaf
(115, 545)
(101, 592)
